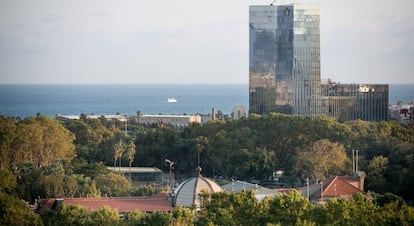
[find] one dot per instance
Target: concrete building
(177, 121)
(239, 111)
(141, 175)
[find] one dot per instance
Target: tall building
(284, 66)
(284, 69)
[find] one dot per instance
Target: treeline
(247, 149)
(51, 159)
(316, 148)
(223, 208)
(43, 157)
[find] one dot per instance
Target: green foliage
(228, 208)
(287, 208)
(113, 184)
(376, 177)
(104, 216)
(66, 215)
(321, 159)
(14, 211)
(39, 140)
(146, 190)
(7, 182)
(182, 216)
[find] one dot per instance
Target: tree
(287, 209)
(113, 184)
(375, 174)
(7, 135)
(104, 216)
(321, 159)
(118, 151)
(41, 140)
(131, 155)
(14, 211)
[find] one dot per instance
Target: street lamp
(170, 164)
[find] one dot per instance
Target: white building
(239, 111)
(172, 120)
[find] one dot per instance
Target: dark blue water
(28, 100)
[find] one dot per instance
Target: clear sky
(190, 41)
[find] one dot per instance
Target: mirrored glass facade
(346, 102)
(284, 66)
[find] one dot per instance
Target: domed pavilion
(187, 193)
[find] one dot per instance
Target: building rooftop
(187, 193)
(157, 202)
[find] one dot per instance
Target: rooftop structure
(403, 112)
(187, 193)
(260, 192)
(335, 187)
(121, 118)
(141, 175)
(172, 120)
(149, 204)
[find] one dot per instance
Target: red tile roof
(157, 202)
(337, 186)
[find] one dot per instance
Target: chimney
(361, 176)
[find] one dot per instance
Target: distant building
(177, 121)
(403, 112)
(345, 102)
(259, 191)
(239, 111)
(120, 118)
(141, 175)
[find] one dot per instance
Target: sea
(127, 99)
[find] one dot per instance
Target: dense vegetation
(48, 158)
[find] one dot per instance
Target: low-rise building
(148, 204)
(335, 187)
(239, 111)
(403, 112)
(141, 175)
(177, 121)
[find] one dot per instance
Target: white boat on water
(171, 100)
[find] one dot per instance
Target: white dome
(187, 193)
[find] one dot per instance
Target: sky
(190, 41)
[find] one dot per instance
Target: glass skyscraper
(284, 69)
(284, 66)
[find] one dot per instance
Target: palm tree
(118, 150)
(131, 155)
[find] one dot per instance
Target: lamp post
(170, 164)
(307, 184)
